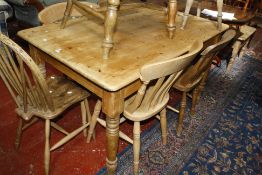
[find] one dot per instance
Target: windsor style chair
(54, 13)
(194, 78)
(247, 33)
(189, 5)
(36, 97)
(152, 97)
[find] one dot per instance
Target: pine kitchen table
(141, 37)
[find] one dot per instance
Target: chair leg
(47, 146)
(194, 101)
(136, 146)
(83, 114)
(18, 133)
(163, 126)
(172, 10)
(199, 3)
(250, 39)
(185, 16)
(202, 84)
(243, 49)
(196, 93)
(219, 14)
(89, 116)
(181, 114)
(235, 51)
(93, 121)
(67, 13)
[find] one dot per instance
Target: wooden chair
(245, 4)
(55, 12)
(36, 96)
(247, 33)
(189, 5)
(152, 97)
(195, 76)
(228, 2)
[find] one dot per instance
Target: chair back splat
(158, 78)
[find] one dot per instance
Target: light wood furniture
(242, 18)
(75, 51)
(109, 16)
(36, 96)
(189, 5)
(194, 78)
(152, 97)
(55, 13)
(241, 43)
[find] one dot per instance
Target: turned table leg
(113, 106)
(172, 10)
(110, 23)
(112, 135)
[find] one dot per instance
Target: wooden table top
(141, 37)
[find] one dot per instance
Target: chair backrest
(243, 3)
(158, 78)
(194, 72)
(55, 12)
(228, 2)
(23, 79)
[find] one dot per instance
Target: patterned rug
(225, 137)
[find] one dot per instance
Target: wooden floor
(75, 158)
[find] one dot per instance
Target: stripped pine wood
(152, 97)
(109, 16)
(189, 5)
(242, 41)
(76, 51)
(36, 96)
(194, 78)
(82, 49)
(55, 13)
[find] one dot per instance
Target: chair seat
(64, 91)
(247, 32)
(142, 114)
